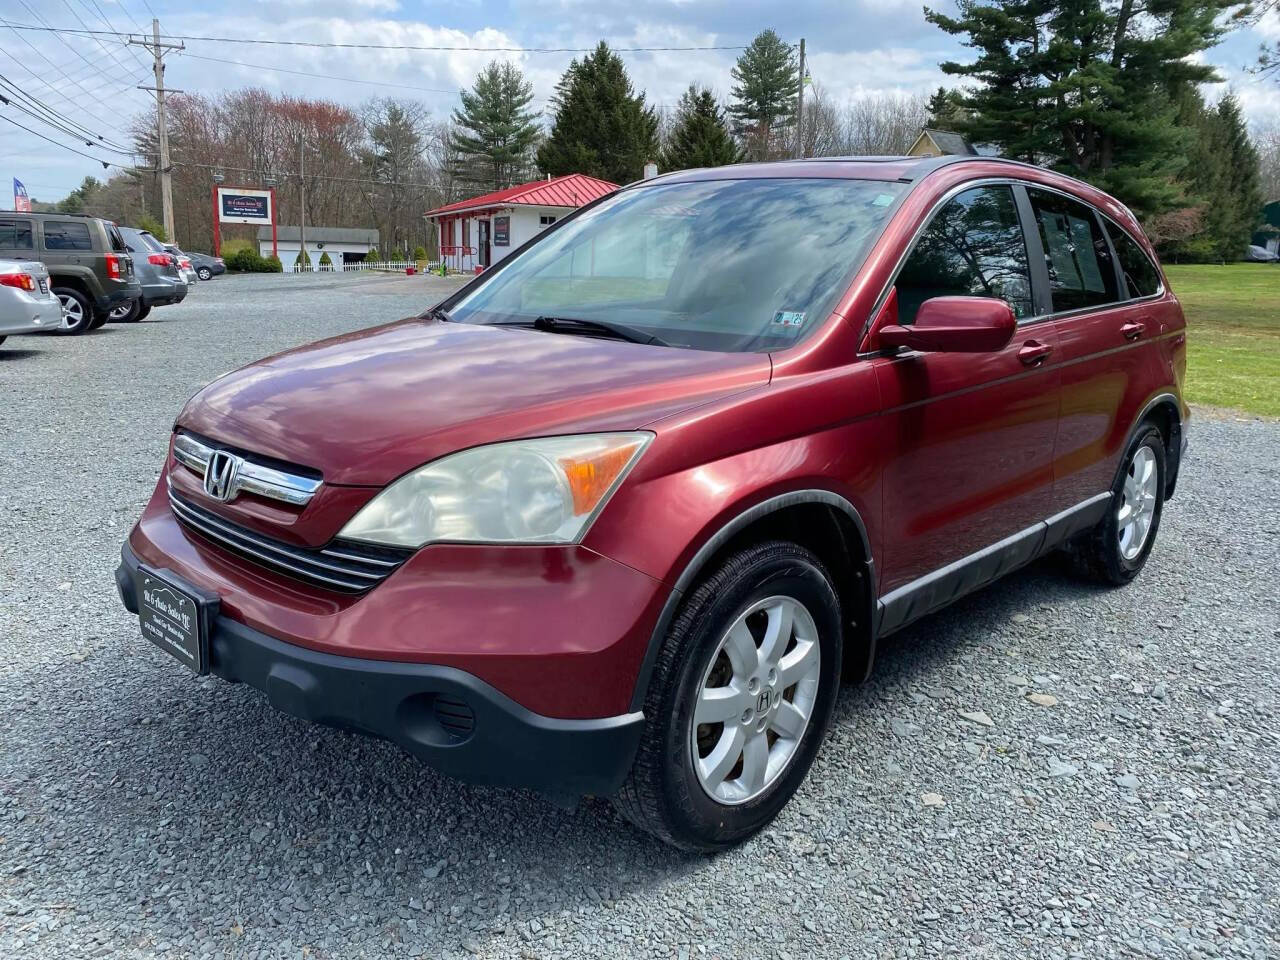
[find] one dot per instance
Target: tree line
(1105, 90)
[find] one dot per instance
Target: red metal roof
(571, 190)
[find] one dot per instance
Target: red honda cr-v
(616, 517)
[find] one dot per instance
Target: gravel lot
(1131, 812)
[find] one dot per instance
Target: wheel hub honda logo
(762, 702)
(220, 475)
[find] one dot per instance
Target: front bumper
(445, 716)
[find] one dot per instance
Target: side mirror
(955, 325)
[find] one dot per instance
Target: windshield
(733, 265)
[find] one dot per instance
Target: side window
(15, 235)
(1081, 273)
(66, 235)
(1141, 278)
(973, 247)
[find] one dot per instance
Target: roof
(950, 143)
(572, 190)
(286, 234)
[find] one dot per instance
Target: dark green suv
(89, 265)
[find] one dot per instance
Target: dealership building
(342, 244)
(482, 230)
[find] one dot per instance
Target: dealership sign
(238, 205)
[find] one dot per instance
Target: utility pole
(162, 130)
(800, 106)
(302, 199)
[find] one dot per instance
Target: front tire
(1116, 550)
(204, 273)
(77, 311)
(740, 700)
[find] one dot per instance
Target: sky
(855, 48)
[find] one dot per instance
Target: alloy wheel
(72, 312)
(1138, 504)
(756, 700)
(120, 312)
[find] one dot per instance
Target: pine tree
(700, 134)
(495, 129)
(764, 95)
(1083, 85)
(602, 127)
(945, 109)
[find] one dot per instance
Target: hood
(366, 407)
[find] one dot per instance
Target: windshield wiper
(440, 313)
(577, 325)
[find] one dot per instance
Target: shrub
(248, 260)
(270, 265)
(302, 260)
(419, 253)
(153, 227)
(325, 261)
(396, 256)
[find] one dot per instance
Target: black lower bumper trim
(447, 717)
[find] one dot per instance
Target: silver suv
(158, 273)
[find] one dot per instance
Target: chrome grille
(343, 566)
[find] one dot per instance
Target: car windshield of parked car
(732, 265)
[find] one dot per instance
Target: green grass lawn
(1233, 334)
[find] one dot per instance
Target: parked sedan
(207, 267)
(772, 414)
(1257, 254)
(27, 303)
(158, 273)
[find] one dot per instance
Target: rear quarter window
(1141, 278)
(67, 235)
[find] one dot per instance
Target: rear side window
(1081, 273)
(15, 235)
(66, 235)
(973, 247)
(1141, 278)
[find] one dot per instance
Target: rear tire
(99, 320)
(131, 314)
(755, 651)
(142, 312)
(77, 311)
(1116, 550)
(204, 273)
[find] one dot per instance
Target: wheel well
(1166, 418)
(834, 537)
(72, 283)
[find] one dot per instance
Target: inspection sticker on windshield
(791, 319)
(883, 199)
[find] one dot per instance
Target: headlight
(526, 491)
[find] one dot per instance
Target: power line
(87, 156)
(317, 76)
(55, 92)
(38, 110)
(280, 174)
(385, 46)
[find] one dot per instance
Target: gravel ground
(1112, 790)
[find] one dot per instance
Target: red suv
(617, 516)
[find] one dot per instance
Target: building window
(466, 234)
(547, 220)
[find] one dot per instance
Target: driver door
(971, 434)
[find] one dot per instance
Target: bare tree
(884, 124)
(823, 130)
(1266, 140)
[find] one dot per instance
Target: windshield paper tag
(882, 200)
(790, 320)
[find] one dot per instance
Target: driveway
(1047, 769)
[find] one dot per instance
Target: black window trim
(1160, 289)
(1040, 293)
(1102, 220)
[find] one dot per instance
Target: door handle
(1133, 329)
(1034, 353)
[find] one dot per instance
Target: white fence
(375, 266)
